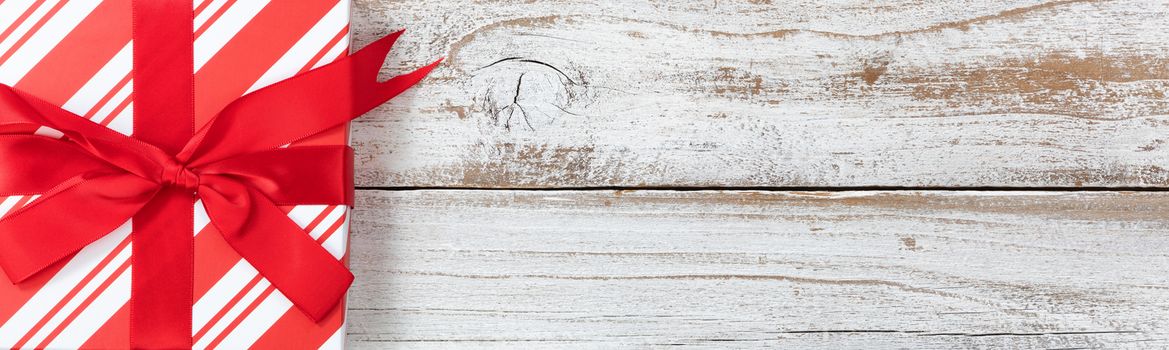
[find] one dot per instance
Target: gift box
(79, 55)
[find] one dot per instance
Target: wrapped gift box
(78, 54)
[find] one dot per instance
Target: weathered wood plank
(598, 269)
(773, 93)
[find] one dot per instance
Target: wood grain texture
(746, 93)
(772, 93)
(604, 269)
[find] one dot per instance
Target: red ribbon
(92, 180)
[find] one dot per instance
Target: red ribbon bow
(93, 179)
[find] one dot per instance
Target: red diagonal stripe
(311, 334)
(20, 203)
(214, 16)
(333, 229)
(13, 296)
(20, 20)
(35, 27)
(109, 95)
(73, 293)
(312, 225)
(230, 304)
(80, 54)
(202, 6)
(248, 311)
(250, 53)
(117, 110)
(114, 334)
(85, 304)
(324, 50)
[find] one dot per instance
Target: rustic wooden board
(826, 94)
(772, 93)
(871, 269)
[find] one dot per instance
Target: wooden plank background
(773, 93)
(755, 173)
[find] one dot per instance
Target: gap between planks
(776, 188)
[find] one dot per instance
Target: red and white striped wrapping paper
(78, 54)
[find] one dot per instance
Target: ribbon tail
(70, 217)
(367, 91)
(296, 264)
(321, 99)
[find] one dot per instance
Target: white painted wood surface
(907, 269)
(773, 93)
(745, 93)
